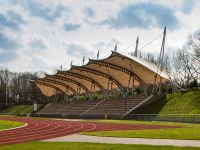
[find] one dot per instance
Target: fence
(185, 118)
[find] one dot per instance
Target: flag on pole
(60, 67)
(115, 48)
(71, 63)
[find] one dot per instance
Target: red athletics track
(41, 129)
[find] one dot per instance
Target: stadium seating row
(93, 107)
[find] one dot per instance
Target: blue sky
(40, 35)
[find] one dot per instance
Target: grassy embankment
(19, 110)
(186, 103)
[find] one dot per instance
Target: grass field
(187, 131)
(9, 124)
(20, 109)
(87, 146)
(186, 103)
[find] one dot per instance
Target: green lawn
(187, 131)
(186, 103)
(20, 109)
(87, 146)
(9, 124)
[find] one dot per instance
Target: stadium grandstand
(118, 73)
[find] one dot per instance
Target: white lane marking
(94, 126)
(44, 136)
(15, 127)
(90, 129)
(33, 127)
(33, 132)
(40, 136)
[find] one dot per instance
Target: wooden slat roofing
(117, 70)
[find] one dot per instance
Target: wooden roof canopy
(117, 70)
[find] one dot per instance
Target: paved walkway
(114, 140)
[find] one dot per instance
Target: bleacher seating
(75, 107)
(115, 107)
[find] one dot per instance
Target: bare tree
(187, 61)
(16, 87)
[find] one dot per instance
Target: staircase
(93, 107)
(138, 105)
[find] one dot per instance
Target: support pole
(129, 81)
(133, 83)
(94, 87)
(45, 102)
(125, 98)
(115, 49)
(55, 96)
(6, 97)
(108, 86)
(98, 55)
(145, 90)
(91, 86)
(83, 60)
(160, 61)
(162, 57)
(136, 47)
(79, 90)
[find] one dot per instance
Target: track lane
(42, 129)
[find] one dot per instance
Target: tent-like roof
(117, 70)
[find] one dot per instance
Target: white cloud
(38, 43)
(41, 39)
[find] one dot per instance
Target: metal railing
(185, 118)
